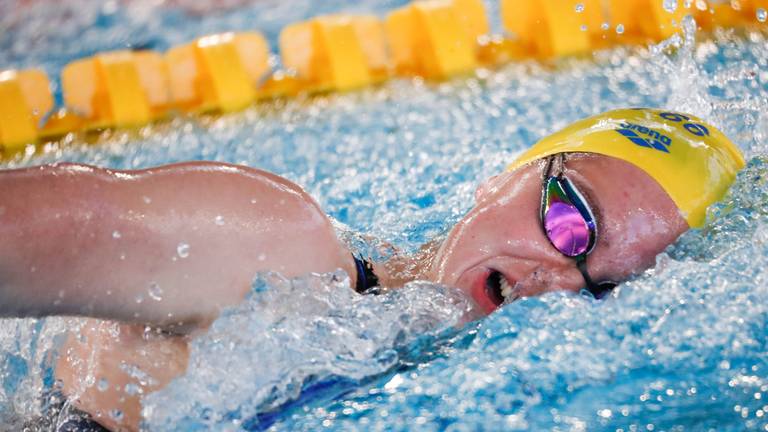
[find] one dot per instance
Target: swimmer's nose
(544, 280)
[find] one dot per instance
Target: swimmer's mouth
(499, 289)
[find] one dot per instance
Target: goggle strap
(592, 287)
(598, 291)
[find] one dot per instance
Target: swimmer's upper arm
(168, 246)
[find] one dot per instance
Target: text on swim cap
(693, 128)
(655, 140)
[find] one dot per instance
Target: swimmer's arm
(166, 247)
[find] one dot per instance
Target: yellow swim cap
(694, 162)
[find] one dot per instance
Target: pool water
(681, 347)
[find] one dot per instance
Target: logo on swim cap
(655, 139)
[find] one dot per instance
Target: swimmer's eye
(499, 289)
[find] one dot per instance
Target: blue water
(681, 347)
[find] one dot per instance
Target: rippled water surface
(682, 347)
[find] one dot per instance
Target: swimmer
(169, 247)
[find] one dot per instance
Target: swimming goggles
(568, 222)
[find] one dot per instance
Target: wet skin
(502, 233)
(167, 247)
(636, 221)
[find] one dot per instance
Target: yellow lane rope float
(434, 39)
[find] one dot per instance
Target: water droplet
(262, 257)
(139, 298)
(670, 5)
(219, 220)
(605, 413)
(155, 292)
(579, 8)
(117, 415)
(605, 26)
(182, 250)
(122, 256)
(103, 385)
(116, 234)
(146, 199)
(254, 200)
(132, 389)
(762, 15)
(583, 27)
(620, 29)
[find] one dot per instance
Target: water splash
(675, 59)
(312, 332)
(680, 346)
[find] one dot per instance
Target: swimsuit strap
(366, 278)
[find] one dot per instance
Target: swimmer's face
(501, 240)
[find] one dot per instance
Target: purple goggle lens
(567, 229)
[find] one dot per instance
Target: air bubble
(620, 29)
(116, 234)
(579, 8)
(139, 298)
(219, 220)
(182, 250)
(761, 14)
(583, 27)
(670, 5)
(605, 26)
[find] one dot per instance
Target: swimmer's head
(691, 160)
(646, 176)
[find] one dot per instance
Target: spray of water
(298, 335)
(679, 347)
